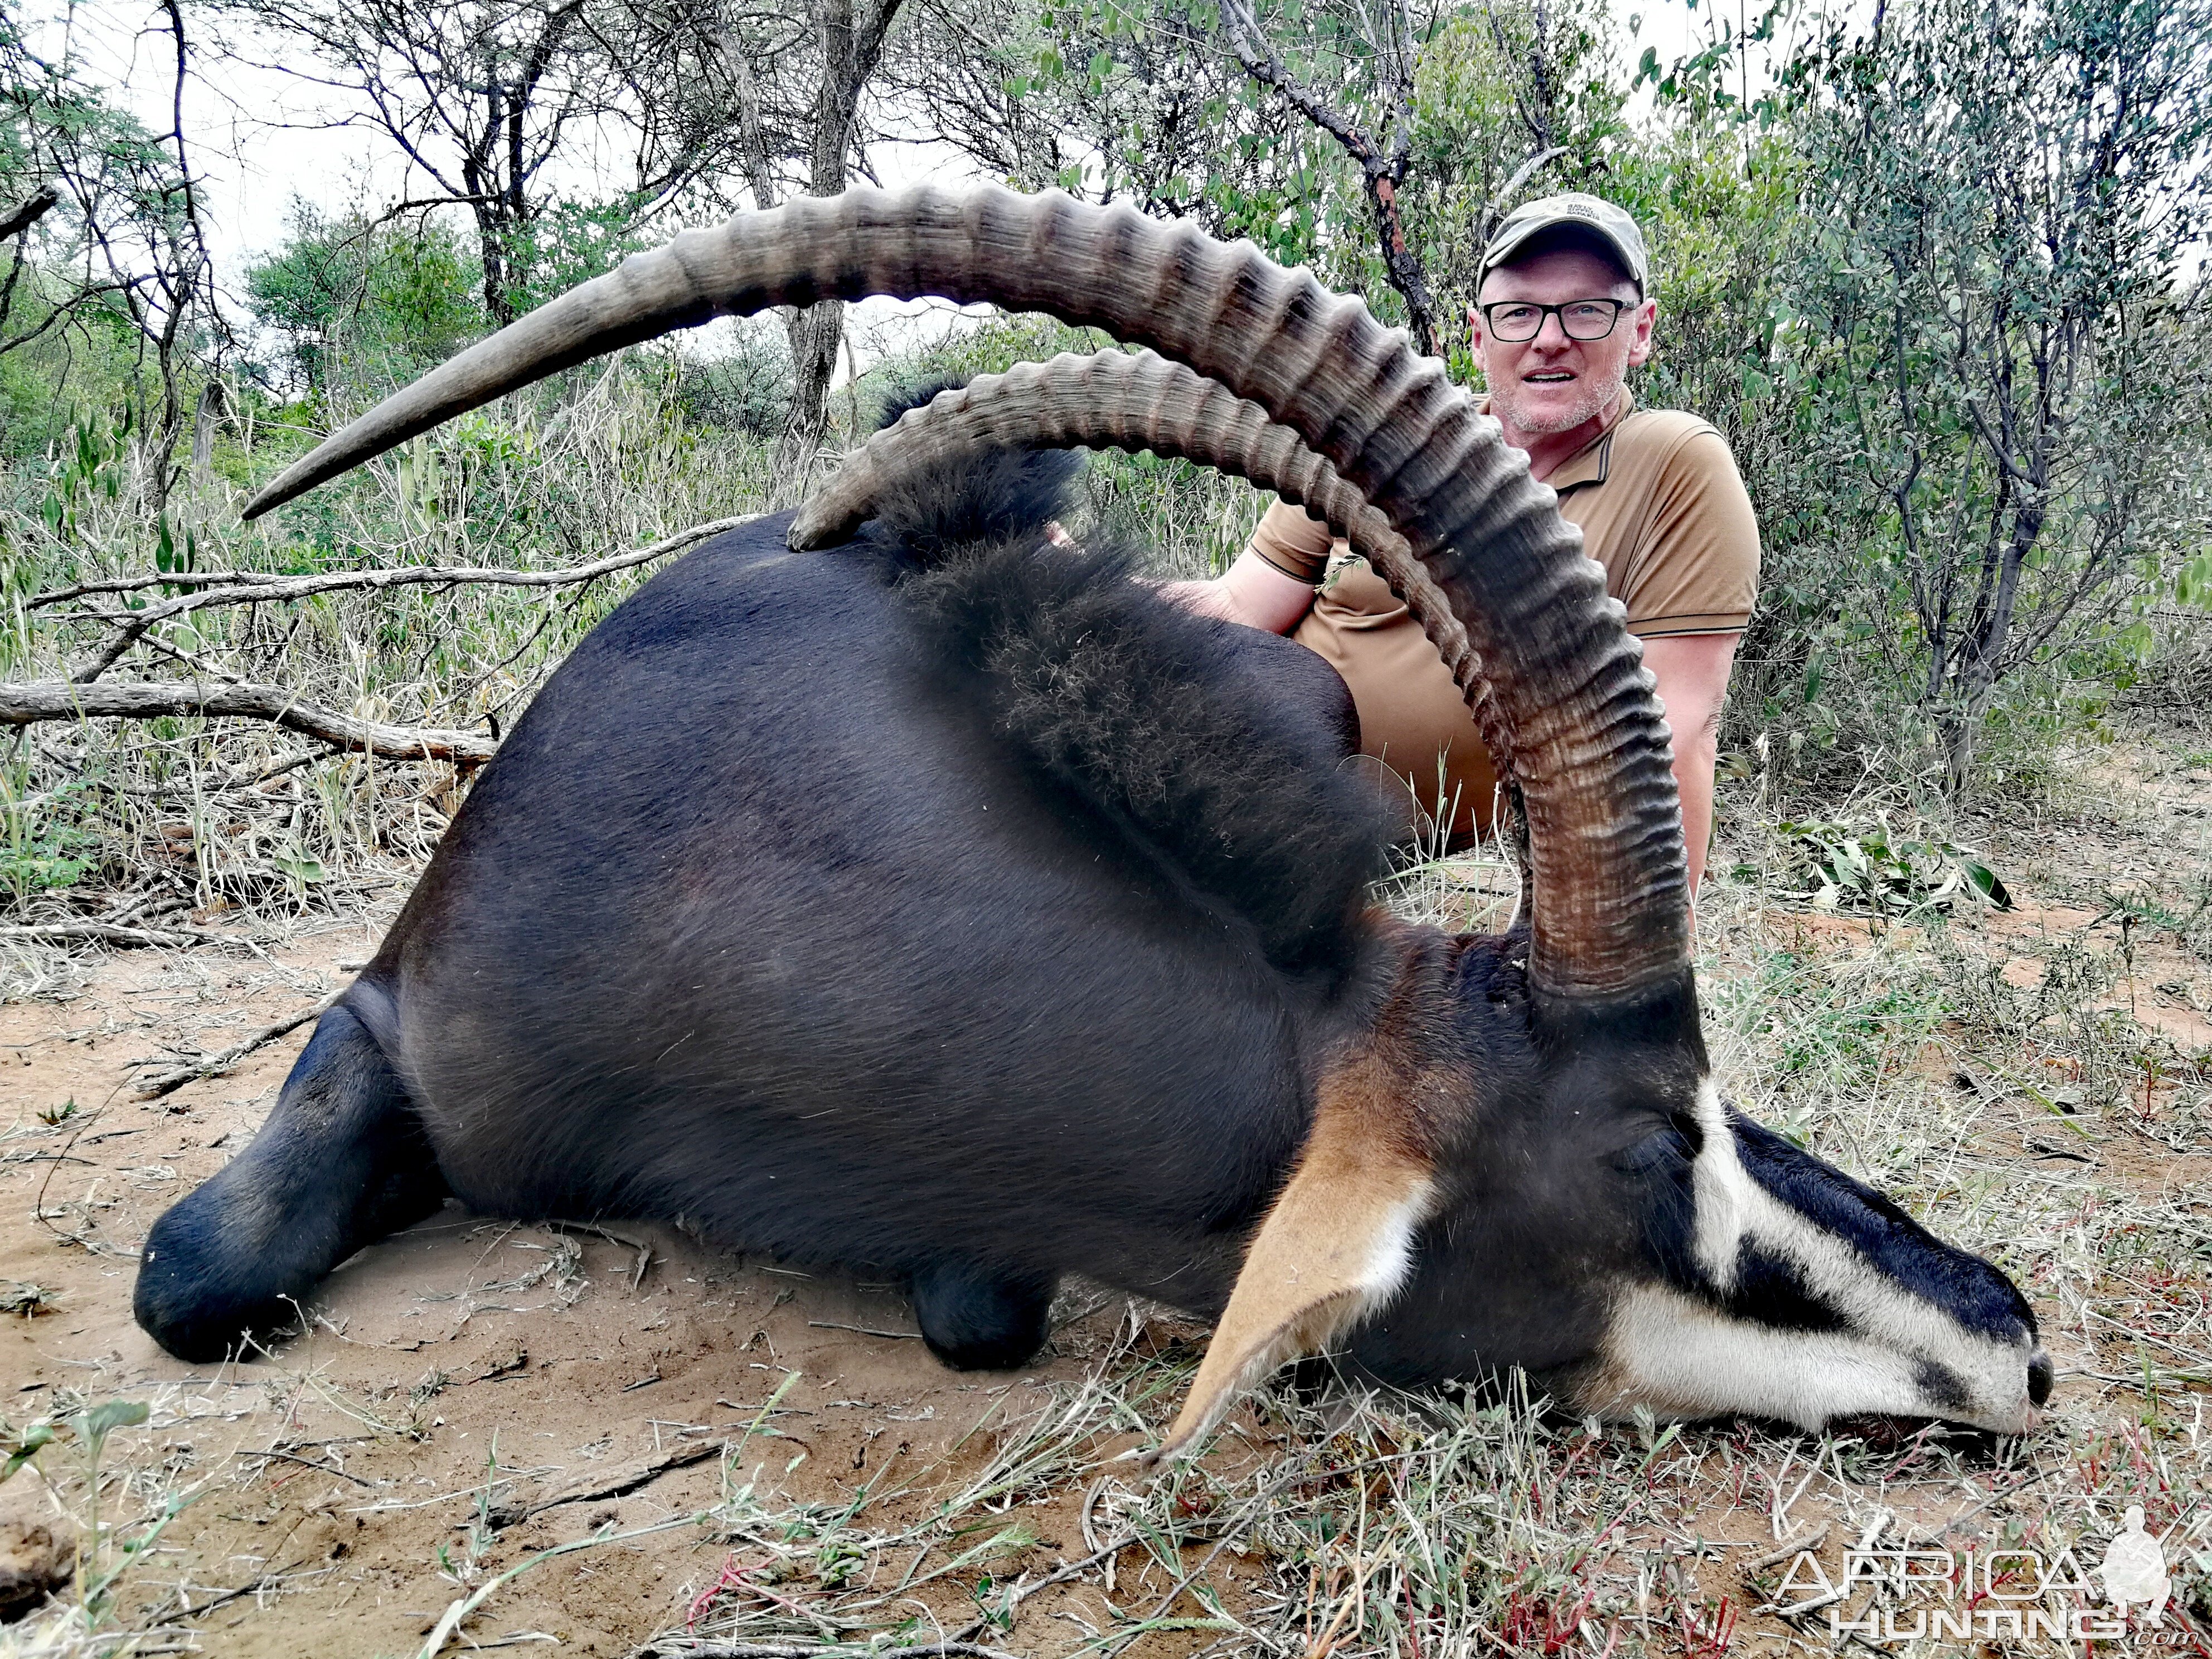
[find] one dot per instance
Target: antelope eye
(1666, 1150)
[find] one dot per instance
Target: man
(1561, 315)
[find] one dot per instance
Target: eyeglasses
(1513, 321)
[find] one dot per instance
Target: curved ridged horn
(1575, 718)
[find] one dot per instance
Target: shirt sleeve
(1294, 542)
(1698, 570)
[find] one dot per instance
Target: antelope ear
(1337, 1245)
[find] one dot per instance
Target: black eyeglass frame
(1558, 311)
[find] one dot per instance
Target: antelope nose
(2039, 1376)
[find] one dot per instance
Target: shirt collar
(1591, 463)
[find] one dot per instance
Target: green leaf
(103, 1420)
(35, 1438)
(299, 865)
(1986, 883)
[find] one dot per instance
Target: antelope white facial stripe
(1681, 1358)
(1721, 1193)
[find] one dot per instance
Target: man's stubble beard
(1597, 397)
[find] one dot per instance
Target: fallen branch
(250, 1587)
(25, 703)
(606, 1482)
(64, 932)
(211, 1065)
(1789, 1549)
(256, 586)
(865, 1330)
(309, 1463)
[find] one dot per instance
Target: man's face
(1553, 384)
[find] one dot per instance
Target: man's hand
(1251, 592)
(1692, 671)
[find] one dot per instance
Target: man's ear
(1337, 1245)
(1647, 318)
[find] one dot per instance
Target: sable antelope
(948, 906)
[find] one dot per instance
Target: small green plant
(300, 868)
(1865, 866)
(54, 858)
(24, 1444)
(96, 1577)
(54, 1116)
(104, 1552)
(25, 1300)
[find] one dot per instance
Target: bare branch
(249, 587)
(1501, 204)
(106, 933)
(21, 217)
(213, 1065)
(1381, 174)
(27, 702)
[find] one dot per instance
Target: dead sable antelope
(945, 905)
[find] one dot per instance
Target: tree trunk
(1956, 729)
(852, 45)
(815, 334)
(213, 405)
(1975, 676)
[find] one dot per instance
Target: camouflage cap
(1600, 218)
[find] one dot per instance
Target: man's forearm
(1692, 675)
(1694, 758)
(1251, 592)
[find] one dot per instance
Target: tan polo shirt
(1660, 507)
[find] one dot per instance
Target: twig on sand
(458, 1613)
(1791, 1548)
(250, 1587)
(107, 932)
(606, 1483)
(310, 1463)
(211, 1065)
(592, 1229)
